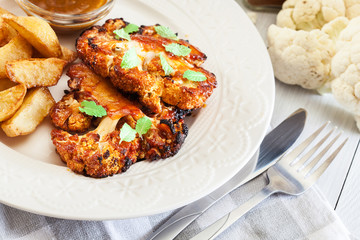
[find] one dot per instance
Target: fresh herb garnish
(177, 49)
(165, 65)
(130, 28)
(165, 32)
(124, 32)
(127, 133)
(120, 33)
(130, 59)
(143, 125)
(194, 76)
(92, 109)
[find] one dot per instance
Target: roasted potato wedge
(11, 100)
(68, 55)
(17, 48)
(36, 72)
(35, 107)
(37, 32)
(3, 33)
(5, 83)
(6, 32)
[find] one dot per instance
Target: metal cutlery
(291, 175)
(274, 144)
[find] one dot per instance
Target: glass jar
(67, 22)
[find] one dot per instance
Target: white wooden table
(341, 182)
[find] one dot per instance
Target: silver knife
(274, 144)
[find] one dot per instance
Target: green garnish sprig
(130, 59)
(165, 65)
(177, 49)
(128, 134)
(125, 32)
(92, 109)
(166, 32)
(194, 76)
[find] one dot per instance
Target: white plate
(222, 137)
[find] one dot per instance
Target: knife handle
(226, 221)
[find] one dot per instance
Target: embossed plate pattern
(222, 138)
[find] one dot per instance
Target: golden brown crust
(99, 48)
(85, 156)
(66, 115)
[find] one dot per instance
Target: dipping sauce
(69, 6)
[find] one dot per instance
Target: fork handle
(226, 221)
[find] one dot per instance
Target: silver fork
(291, 175)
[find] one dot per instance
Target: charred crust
(106, 154)
(100, 159)
(170, 124)
(91, 44)
(102, 29)
(185, 130)
(127, 164)
(179, 138)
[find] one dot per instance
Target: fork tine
(317, 173)
(318, 157)
(299, 149)
(301, 162)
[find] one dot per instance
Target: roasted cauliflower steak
(103, 51)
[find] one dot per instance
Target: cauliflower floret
(352, 8)
(346, 70)
(348, 34)
(335, 27)
(300, 57)
(309, 14)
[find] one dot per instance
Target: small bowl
(67, 22)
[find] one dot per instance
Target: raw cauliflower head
(310, 14)
(300, 57)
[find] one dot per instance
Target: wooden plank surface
(341, 182)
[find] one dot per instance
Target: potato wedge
(6, 33)
(36, 72)
(37, 32)
(3, 32)
(35, 107)
(17, 48)
(6, 83)
(11, 100)
(68, 55)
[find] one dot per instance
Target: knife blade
(274, 144)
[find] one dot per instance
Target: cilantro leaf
(92, 109)
(177, 49)
(121, 33)
(165, 65)
(127, 133)
(165, 32)
(124, 32)
(130, 59)
(194, 76)
(143, 125)
(130, 28)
